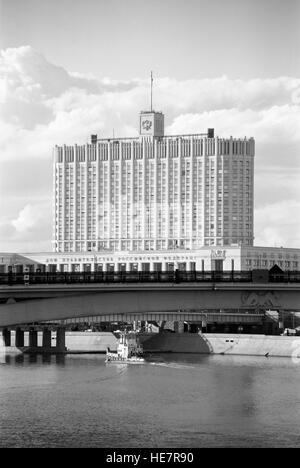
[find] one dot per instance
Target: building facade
(231, 258)
(153, 192)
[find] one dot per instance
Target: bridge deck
(34, 303)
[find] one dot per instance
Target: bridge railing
(285, 277)
(124, 277)
(143, 277)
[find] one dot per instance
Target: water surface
(176, 401)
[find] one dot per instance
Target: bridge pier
(29, 340)
(281, 320)
(46, 343)
(33, 338)
(178, 327)
(61, 339)
(6, 335)
(19, 338)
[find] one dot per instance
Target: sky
(70, 68)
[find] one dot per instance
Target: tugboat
(129, 350)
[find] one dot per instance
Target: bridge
(38, 297)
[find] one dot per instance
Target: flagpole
(151, 81)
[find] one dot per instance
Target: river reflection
(26, 359)
(171, 401)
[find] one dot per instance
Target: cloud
(273, 125)
(29, 217)
(29, 229)
(42, 104)
(27, 80)
(274, 227)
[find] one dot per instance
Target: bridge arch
(62, 303)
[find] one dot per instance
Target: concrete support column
(61, 339)
(178, 327)
(281, 320)
(19, 338)
(6, 337)
(204, 323)
(46, 338)
(33, 338)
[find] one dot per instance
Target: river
(175, 401)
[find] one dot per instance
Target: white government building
(154, 203)
(153, 192)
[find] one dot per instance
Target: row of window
(176, 146)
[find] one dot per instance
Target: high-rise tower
(153, 192)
